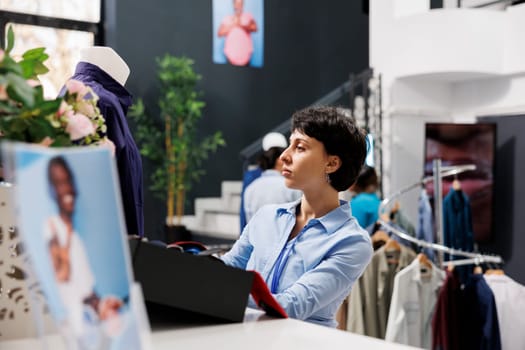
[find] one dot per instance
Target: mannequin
(102, 69)
(108, 60)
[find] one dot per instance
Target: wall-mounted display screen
(460, 144)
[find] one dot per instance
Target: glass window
(61, 45)
(80, 10)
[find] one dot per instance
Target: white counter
(261, 332)
(256, 332)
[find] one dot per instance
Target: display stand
(140, 315)
(81, 262)
(23, 310)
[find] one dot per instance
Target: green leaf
(27, 69)
(11, 65)
(10, 40)
(48, 107)
(40, 68)
(19, 90)
(61, 140)
(39, 129)
(37, 54)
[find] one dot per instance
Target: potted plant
(178, 163)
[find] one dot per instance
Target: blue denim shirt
(327, 257)
(425, 223)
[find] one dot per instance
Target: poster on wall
(238, 27)
(462, 144)
(71, 222)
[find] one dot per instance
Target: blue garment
(457, 221)
(248, 177)
(425, 223)
(114, 101)
(480, 327)
(269, 188)
(365, 207)
(324, 261)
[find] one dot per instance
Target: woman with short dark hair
(311, 251)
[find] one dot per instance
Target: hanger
(380, 235)
(392, 245)
(423, 260)
(456, 185)
(394, 210)
(478, 270)
(494, 270)
(392, 248)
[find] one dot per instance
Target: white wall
(441, 66)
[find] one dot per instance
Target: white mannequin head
(108, 60)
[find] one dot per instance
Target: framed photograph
(71, 222)
(238, 32)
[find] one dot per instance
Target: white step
(214, 225)
(217, 216)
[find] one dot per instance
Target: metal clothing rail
(445, 171)
(474, 257)
(439, 173)
(470, 261)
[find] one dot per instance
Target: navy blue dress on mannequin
(114, 101)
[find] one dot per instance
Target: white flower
(85, 107)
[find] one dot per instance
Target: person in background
(270, 140)
(269, 188)
(311, 251)
(365, 204)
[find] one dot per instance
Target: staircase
(217, 217)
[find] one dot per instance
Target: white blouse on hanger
(412, 306)
(510, 305)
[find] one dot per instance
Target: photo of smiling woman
(311, 251)
(69, 211)
(69, 258)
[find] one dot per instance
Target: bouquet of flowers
(25, 115)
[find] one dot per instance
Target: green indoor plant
(170, 142)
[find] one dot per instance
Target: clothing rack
(475, 258)
(470, 261)
(439, 173)
(445, 171)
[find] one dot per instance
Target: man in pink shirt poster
(238, 39)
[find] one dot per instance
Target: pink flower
(3, 93)
(33, 82)
(78, 126)
(76, 87)
(63, 108)
(107, 143)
